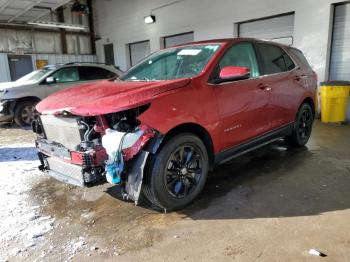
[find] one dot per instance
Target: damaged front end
(86, 150)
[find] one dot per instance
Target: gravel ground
(274, 204)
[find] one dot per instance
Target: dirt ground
(274, 204)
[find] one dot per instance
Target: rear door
(242, 104)
(283, 85)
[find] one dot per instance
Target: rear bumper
(72, 167)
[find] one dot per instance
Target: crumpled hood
(104, 97)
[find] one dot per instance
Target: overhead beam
(44, 13)
(4, 5)
(25, 10)
(38, 29)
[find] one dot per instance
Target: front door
(64, 77)
(242, 104)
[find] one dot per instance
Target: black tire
(302, 127)
(173, 181)
(25, 113)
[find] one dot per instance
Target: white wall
(121, 22)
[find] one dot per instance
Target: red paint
(230, 72)
(231, 112)
(105, 97)
(98, 156)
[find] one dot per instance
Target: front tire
(25, 113)
(177, 173)
(303, 126)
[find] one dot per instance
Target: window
(173, 63)
(240, 55)
(69, 74)
(300, 57)
(274, 59)
(289, 63)
(94, 73)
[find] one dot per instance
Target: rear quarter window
(273, 59)
(300, 57)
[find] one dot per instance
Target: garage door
(179, 39)
(340, 54)
(279, 29)
(138, 51)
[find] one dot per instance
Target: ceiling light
(59, 25)
(150, 19)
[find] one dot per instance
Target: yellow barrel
(334, 101)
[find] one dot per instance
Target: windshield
(174, 63)
(35, 75)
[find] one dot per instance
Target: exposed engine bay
(86, 150)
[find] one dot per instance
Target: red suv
(159, 128)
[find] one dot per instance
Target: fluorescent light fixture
(150, 19)
(58, 25)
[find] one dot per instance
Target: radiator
(63, 130)
(65, 172)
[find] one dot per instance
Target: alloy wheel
(305, 124)
(183, 171)
(28, 114)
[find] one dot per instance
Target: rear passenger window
(94, 73)
(273, 59)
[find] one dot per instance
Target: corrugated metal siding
(63, 59)
(340, 55)
(4, 69)
(279, 29)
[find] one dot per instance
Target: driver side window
(64, 75)
(241, 55)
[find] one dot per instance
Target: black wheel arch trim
(159, 140)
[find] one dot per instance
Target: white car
(18, 99)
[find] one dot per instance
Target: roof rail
(72, 63)
(98, 63)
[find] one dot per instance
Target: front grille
(65, 172)
(63, 130)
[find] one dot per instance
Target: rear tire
(25, 113)
(302, 127)
(177, 173)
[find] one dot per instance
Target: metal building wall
(4, 69)
(63, 59)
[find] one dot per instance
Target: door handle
(298, 78)
(263, 86)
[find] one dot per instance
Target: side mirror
(233, 73)
(50, 80)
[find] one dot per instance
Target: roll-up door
(179, 39)
(340, 52)
(138, 51)
(278, 28)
